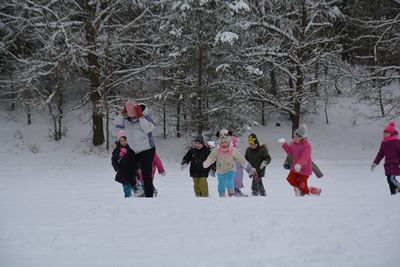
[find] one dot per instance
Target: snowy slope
(61, 206)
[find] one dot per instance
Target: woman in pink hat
(390, 150)
(134, 119)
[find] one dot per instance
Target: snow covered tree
(290, 44)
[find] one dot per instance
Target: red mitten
(138, 111)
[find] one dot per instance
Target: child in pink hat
(390, 150)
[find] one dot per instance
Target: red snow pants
(298, 180)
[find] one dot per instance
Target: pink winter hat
(130, 108)
(390, 128)
(121, 133)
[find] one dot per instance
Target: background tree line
(203, 64)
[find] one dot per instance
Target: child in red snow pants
(298, 180)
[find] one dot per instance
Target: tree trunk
(97, 126)
(178, 119)
(199, 102)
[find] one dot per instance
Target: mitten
(163, 173)
(212, 173)
(297, 167)
(282, 140)
(263, 164)
(287, 166)
(122, 151)
(138, 110)
(254, 175)
(373, 167)
(183, 165)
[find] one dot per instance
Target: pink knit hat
(130, 108)
(121, 133)
(390, 128)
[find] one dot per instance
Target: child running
(224, 155)
(195, 157)
(390, 150)
(300, 150)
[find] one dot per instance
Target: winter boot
(298, 192)
(315, 191)
(231, 192)
(239, 193)
(221, 194)
(254, 193)
(155, 192)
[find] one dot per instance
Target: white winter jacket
(138, 131)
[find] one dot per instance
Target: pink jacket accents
(301, 154)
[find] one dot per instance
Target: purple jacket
(390, 149)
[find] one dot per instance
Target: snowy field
(61, 207)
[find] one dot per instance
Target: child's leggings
(298, 180)
(393, 184)
(225, 180)
(127, 190)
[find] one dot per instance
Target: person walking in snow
(224, 155)
(121, 160)
(390, 150)
(195, 157)
(156, 166)
(258, 156)
(300, 151)
(134, 119)
(238, 179)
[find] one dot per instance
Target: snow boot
(315, 191)
(239, 193)
(231, 192)
(221, 194)
(298, 192)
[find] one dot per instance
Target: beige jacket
(226, 162)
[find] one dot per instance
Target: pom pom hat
(302, 132)
(390, 128)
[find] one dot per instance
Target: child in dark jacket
(390, 150)
(122, 161)
(196, 156)
(258, 156)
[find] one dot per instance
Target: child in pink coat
(156, 165)
(300, 150)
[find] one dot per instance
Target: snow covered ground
(61, 206)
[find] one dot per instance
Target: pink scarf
(390, 137)
(228, 150)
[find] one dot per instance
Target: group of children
(228, 163)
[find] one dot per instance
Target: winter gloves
(212, 172)
(282, 140)
(297, 167)
(183, 165)
(263, 164)
(373, 167)
(138, 110)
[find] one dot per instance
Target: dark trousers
(393, 184)
(257, 187)
(145, 159)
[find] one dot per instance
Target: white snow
(61, 205)
(226, 37)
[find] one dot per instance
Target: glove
(138, 110)
(282, 140)
(287, 166)
(163, 173)
(212, 173)
(183, 165)
(254, 175)
(297, 167)
(373, 167)
(263, 164)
